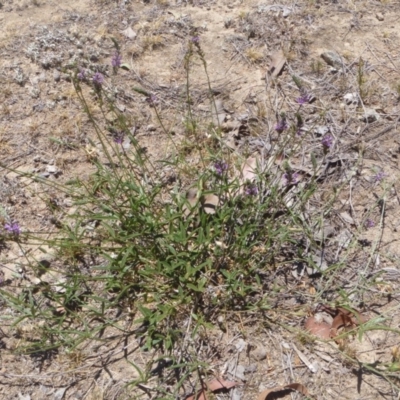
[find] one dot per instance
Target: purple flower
(369, 223)
(118, 137)
(220, 167)
(304, 99)
(195, 39)
(82, 74)
(116, 60)
(379, 176)
(251, 190)
(12, 228)
(291, 178)
(152, 100)
(98, 79)
(281, 125)
(327, 141)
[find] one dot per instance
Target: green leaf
(314, 162)
(140, 90)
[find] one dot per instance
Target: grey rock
(344, 238)
(332, 58)
(52, 169)
(59, 394)
(66, 77)
(370, 115)
(236, 394)
(320, 262)
(351, 99)
(321, 130)
(240, 345)
(324, 232)
(237, 371)
(50, 104)
(34, 92)
(121, 107)
(228, 22)
(250, 369)
(259, 354)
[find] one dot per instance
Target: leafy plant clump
(155, 257)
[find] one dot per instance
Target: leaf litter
(338, 318)
(217, 384)
(282, 391)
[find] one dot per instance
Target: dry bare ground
(347, 56)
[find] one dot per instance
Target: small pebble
(259, 354)
(332, 58)
(52, 169)
(370, 116)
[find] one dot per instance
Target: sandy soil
(43, 130)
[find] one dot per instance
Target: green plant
(159, 260)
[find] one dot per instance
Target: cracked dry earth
(43, 130)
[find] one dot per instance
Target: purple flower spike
(379, 176)
(98, 79)
(327, 141)
(82, 74)
(116, 60)
(118, 137)
(220, 167)
(152, 100)
(369, 223)
(291, 178)
(195, 39)
(305, 98)
(12, 228)
(251, 190)
(281, 125)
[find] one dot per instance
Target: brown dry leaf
(342, 318)
(346, 318)
(213, 386)
(249, 169)
(281, 391)
(356, 317)
(217, 384)
(277, 63)
(320, 329)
